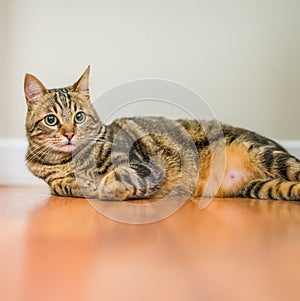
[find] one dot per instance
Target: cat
(136, 158)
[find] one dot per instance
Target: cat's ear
(33, 89)
(82, 85)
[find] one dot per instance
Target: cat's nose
(69, 135)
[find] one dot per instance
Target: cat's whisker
(39, 153)
(35, 151)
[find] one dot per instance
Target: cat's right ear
(33, 89)
(82, 85)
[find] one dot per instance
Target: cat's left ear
(82, 85)
(33, 89)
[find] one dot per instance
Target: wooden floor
(54, 248)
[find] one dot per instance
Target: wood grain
(55, 248)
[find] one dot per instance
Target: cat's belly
(225, 176)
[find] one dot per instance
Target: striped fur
(132, 158)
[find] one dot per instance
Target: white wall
(243, 57)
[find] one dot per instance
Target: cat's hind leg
(276, 189)
(279, 178)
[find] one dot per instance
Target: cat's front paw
(88, 188)
(112, 189)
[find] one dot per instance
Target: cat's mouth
(66, 147)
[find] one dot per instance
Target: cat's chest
(49, 172)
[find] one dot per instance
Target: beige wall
(243, 57)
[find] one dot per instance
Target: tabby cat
(132, 158)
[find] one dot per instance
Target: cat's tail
(276, 189)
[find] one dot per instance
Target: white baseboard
(13, 170)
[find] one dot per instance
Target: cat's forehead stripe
(63, 100)
(55, 98)
(63, 90)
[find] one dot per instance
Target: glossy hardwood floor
(54, 248)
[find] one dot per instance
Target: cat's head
(60, 120)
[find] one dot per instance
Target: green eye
(79, 117)
(51, 120)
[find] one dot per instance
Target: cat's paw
(88, 188)
(112, 189)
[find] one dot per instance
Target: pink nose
(69, 135)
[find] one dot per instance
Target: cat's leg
(284, 176)
(73, 187)
(280, 164)
(118, 184)
(125, 182)
(276, 189)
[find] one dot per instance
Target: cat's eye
(79, 117)
(51, 120)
